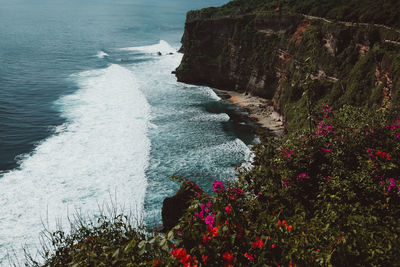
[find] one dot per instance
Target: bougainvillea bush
(328, 196)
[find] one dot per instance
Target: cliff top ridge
(384, 12)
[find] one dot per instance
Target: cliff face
(282, 56)
(226, 53)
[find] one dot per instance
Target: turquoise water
(89, 112)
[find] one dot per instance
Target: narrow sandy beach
(260, 109)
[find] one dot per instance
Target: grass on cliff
(384, 12)
(325, 196)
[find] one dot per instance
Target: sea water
(89, 111)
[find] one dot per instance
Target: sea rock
(174, 207)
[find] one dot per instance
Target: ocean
(90, 114)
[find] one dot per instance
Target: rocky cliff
(281, 56)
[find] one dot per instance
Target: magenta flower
(286, 152)
(285, 182)
(209, 220)
(326, 150)
(302, 176)
(217, 186)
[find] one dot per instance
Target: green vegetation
(369, 11)
(340, 71)
(327, 196)
(113, 240)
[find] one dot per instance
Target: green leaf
(163, 242)
(115, 254)
(141, 244)
(170, 235)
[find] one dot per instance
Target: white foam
(163, 47)
(204, 89)
(102, 150)
(234, 146)
(211, 117)
(210, 93)
(102, 54)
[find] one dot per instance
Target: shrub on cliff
(369, 11)
(329, 196)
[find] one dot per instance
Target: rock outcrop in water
(174, 207)
(280, 57)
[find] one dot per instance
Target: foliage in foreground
(329, 196)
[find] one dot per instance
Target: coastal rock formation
(174, 207)
(280, 57)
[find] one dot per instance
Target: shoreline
(259, 109)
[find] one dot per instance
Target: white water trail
(102, 54)
(103, 150)
(163, 47)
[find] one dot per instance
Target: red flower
(185, 259)
(228, 209)
(277, 9)
(290, 228)
(383, 155)
(279, 223)
(258, 244)
(213, 230)
(204, 257)
(273, 246)
(179, 253)
(156, 262)
(228, 257)
(250, 256)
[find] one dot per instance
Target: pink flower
(326, 150)
(286, 152)
(217, 186)
(228, 209)
(302, 176)
(209, 220)
(285, 182)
